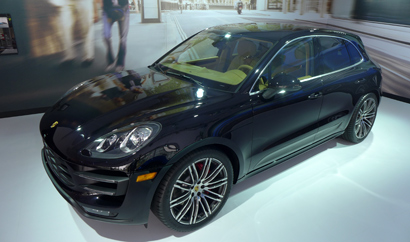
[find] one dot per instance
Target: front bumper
(101, 194)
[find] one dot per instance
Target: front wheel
(362, 119)
(194, 190)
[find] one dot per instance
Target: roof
(274, 31)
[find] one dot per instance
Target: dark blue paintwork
(253, 132)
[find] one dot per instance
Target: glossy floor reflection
(336, 192)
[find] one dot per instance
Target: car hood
(110, 101)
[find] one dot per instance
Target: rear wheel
(362, 119)
(194, 190)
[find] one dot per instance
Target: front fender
(227, 146)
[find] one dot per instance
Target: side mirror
(280, 84)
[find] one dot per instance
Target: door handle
(315, 95)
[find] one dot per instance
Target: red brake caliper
(200, 166)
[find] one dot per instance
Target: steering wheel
(245, 68)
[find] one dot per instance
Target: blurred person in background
(116, 11)
(75, 20)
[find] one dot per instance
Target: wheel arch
(374, 87)
(223, 145)
(378, 96)
(378, 82)
(233, 158)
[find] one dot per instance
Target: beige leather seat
(246, 55)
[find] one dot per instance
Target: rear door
(339, 65)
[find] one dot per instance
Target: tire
(362, 119)
(194, 190)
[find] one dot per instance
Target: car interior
(229, 64)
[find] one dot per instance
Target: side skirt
(291, 155)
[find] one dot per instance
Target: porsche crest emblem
(54, 124)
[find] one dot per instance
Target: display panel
(8, 44)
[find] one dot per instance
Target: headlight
(124, 141)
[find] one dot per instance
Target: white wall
(342, 8)
(261, 4)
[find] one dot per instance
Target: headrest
(246, 48)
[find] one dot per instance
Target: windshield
(216, 60)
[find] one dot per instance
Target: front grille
(84, 179)
(59, 168)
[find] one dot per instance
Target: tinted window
(295, 59)
(335, 54)
(353, 53)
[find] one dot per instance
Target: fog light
(100, 212)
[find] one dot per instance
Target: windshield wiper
(186, 77)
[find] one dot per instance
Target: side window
(335, 54)
(295, 59)
(354, 54)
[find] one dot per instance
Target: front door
(287, 121)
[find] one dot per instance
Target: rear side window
(335, 54)
(354, 55)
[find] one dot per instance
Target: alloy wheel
(199, 191)
(365, 118)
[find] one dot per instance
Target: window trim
(313, 77)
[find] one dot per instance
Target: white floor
(336, 192)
